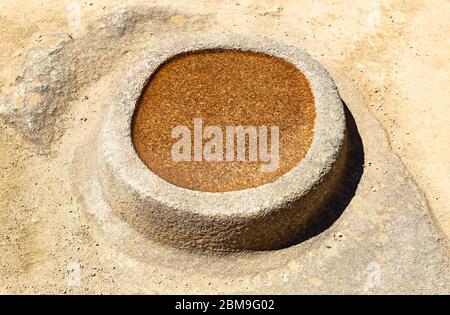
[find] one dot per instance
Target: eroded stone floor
(394, 52)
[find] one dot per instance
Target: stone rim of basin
(261, 218)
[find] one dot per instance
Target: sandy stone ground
(395, 52)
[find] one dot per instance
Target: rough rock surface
(384, 241)
(57, 67)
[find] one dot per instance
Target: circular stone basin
(191, 200)
(223, 88)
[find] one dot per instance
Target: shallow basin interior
(223, 88)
